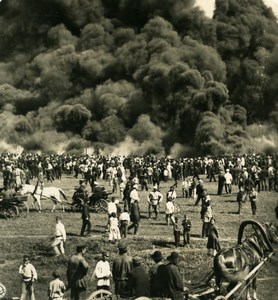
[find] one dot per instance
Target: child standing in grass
(56, 287)
(114, 231)
(177, 227)
(186, 224)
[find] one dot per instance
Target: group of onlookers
(130, 278)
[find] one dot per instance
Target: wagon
(14, 207)
(98, 202)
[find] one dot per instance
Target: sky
(208, 6)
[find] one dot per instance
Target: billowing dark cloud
(128, 76)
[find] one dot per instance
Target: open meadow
(33, 235)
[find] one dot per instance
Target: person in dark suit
(76, 271)
(138, 281)
(86, 222)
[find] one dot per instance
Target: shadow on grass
(163, 244)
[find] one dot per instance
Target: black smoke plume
(138, 77)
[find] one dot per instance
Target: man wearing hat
(199, 191)
(155, 283)
(138, 281)
(59, 237)
(29, 275)
(154, 199)
(121, 269)
(172, 282)
(85, 215)
(76, 272)
(134, 196)
(228, 181)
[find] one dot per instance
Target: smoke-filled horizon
(138, 77)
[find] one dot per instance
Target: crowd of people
(128, 177)
(131, 279)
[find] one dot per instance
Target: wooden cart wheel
(100, 294)
(11, 212)
(101, 206)
(23, 210)
(220, 298)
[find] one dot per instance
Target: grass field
(33, 235)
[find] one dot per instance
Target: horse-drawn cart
(98, 201)
(14, 207)
(235, 269)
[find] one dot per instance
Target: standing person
(134, 209)
(56, 287)
(221, 182)
(177, 230)
(111, 208)
(155, 282)
(29, 275)
(114, 231)
(228, 181)
(134, 217)
(172, 281)
(206, 216)
(171, 194)
(186, 224)
(199, 192)
(170, 209)
(213, 239)
(253, 195)
(121, 269)
(185, 188)
(240, 199)
(138, 280)
(59, 237)
(154, 200)
(85, 215)
(76, 272)
(124, 222)
(103, 272)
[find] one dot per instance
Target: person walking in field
(29, 276)
(59, 238)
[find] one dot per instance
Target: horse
(232, 265)
(52, 193)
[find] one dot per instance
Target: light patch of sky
(208, 6)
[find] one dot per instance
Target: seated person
(81, 192)
(7, 193)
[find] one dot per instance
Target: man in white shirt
(60, 238)
(228, 181)
(134, 196)
(29, 275)
(103, 273)
(112, 207)
(154, 199)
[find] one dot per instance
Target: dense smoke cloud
(137, 77)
